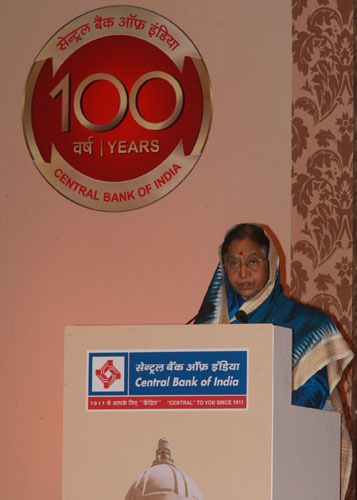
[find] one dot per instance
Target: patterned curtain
(323, 205)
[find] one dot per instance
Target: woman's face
(246, 267)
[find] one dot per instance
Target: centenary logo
(117, 108)
(108, 374)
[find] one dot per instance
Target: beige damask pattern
(322, 155)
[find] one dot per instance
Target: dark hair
(242, 231)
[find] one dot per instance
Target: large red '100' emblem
(117, 108)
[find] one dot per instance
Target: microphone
(206, 308)
(241, 316)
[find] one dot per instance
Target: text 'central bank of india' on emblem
(117, 108)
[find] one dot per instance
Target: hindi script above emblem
(117, 108)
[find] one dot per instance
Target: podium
(219, 394)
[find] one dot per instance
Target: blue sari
(309, 325)
(319, 354)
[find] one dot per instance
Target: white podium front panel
(239, 444)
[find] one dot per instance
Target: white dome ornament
(163, 480)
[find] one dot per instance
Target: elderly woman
(246, 289)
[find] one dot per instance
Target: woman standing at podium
(246, 288)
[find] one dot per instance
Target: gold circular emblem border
(185, 48)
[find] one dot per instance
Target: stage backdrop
(323, 242)
(63, 264)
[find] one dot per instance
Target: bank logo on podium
(117, 108)
(107, 373)
(207, 379)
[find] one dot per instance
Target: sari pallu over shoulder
(319, 350)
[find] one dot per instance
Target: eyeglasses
(251, 263)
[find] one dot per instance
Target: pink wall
(67, 265)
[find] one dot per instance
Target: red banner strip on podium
(167, 403)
